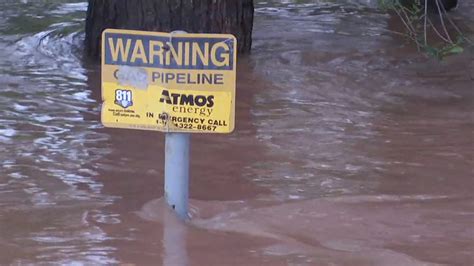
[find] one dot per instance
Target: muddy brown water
(350, 149)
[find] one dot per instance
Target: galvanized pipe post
(177, 172)
(177, 167)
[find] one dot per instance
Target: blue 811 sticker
(123, 98)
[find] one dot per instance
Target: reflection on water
(350, 148)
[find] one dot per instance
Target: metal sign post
(177, 169)
(176, 83)
(177, 172)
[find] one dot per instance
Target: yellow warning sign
(169, 82)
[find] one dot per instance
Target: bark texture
(193, 16)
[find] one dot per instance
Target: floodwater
(350, 149)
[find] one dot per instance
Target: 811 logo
(123, 98)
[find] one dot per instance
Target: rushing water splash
(349, 149)
(46, 135)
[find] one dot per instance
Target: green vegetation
(429, 26)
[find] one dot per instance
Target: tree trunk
(193, 16)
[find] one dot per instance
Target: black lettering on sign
(165, 97)
(150, 115)
(186, 99)
(201, 100)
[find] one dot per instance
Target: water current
(350, 148)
